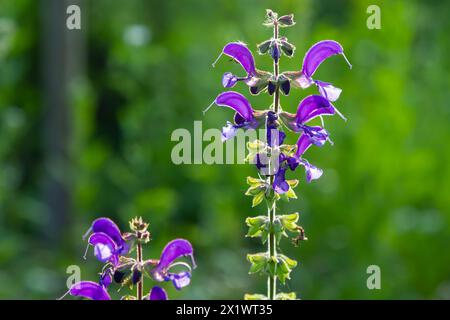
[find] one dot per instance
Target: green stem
(271, 209)
(140, 284)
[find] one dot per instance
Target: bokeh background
(86, 119)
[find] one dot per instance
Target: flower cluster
(112, 247)
(271, 155)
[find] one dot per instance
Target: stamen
(346, 60)
(330, 141)
(65, 294)
(340, 114)
(214, 63)
(87, 233)
(321, 120)
(209, 107)
(86, 251)
(180, 263)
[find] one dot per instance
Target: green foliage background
(384, 197)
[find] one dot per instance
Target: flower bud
(286, 21)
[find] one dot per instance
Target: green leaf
(254, 182)
(292, 183)
(256, 225)
(254, 190)
(285, 266)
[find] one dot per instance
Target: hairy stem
(140, 284)
(271, 210)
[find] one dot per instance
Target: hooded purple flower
(318, 53)
(107, 240)
(244, 117)
(239, 52)
(89, 290)
(308, 109)
(174, 250)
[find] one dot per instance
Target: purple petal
(237, 102)
(311, 107)
(312, 172)
(279, 184)
(179, 280)
(229, 80)
(328, 91)
(318, 53)
(104, 246)
(229, 131)
(239, 52)
(158, 293)
(106, 278)
(303, 143)
(89, 290)
(175, 249)
(107, 226)
(317, 135)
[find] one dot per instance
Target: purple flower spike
(89, 290)
(108, 227)
(158, 293)
(239, 52)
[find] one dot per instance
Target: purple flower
(107, 240)
(312, 172)
(239, 52)
(157, 293)
(308, 109)
(318, 53)
(174, 250)
(244, 117)
(106, 278)
(89, 290)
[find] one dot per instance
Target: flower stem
(271, 210)
(140, 284)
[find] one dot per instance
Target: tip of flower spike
(346, 60)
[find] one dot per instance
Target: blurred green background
(86, 118)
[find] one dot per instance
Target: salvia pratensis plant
(123, 258)
(271, 155)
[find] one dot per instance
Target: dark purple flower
(318, 53)
(157, 293)
(89, 290)
(274, 136)
(108, 227)
(174, 250)
(244, 117)
(312, 172)
(279, 183)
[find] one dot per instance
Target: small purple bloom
(89, 290)
(174, 250)
(108, 227)
(239, 52)
(318, 53)
(229, 80)
(105, 249)
(158, 293)
(244, 116)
